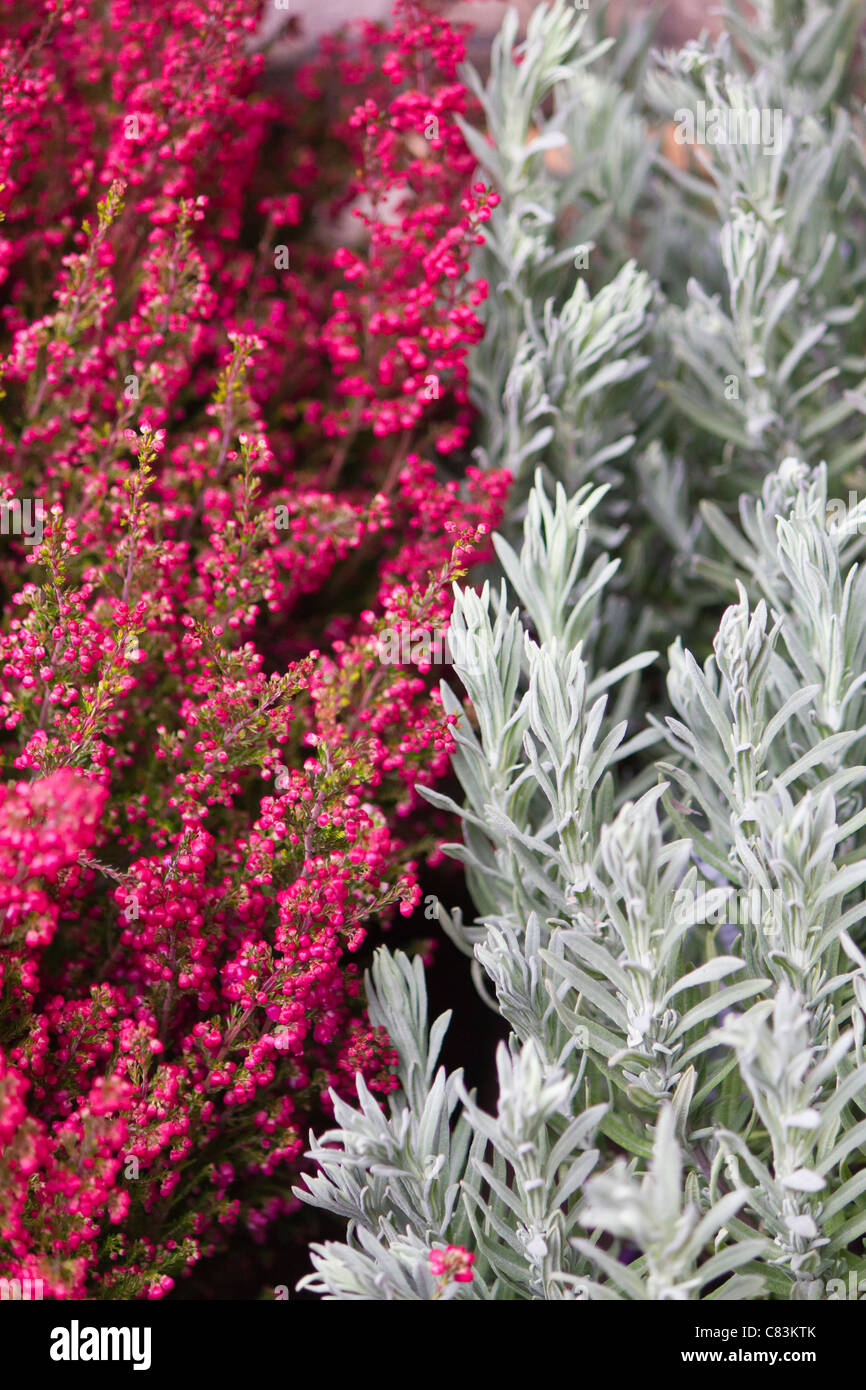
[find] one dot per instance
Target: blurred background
(307, 20)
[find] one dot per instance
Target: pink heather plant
(210, 780)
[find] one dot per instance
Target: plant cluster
(239, 436)
(250, 341)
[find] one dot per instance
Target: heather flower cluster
(234, 360)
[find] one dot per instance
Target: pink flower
(454, 1262)
(218, 440)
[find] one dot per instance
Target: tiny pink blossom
(454, 1262)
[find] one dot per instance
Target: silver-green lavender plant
(719, 1052)
(648, 1017)
(556, 372)
(676, 326)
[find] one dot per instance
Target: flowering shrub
(238, 437)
